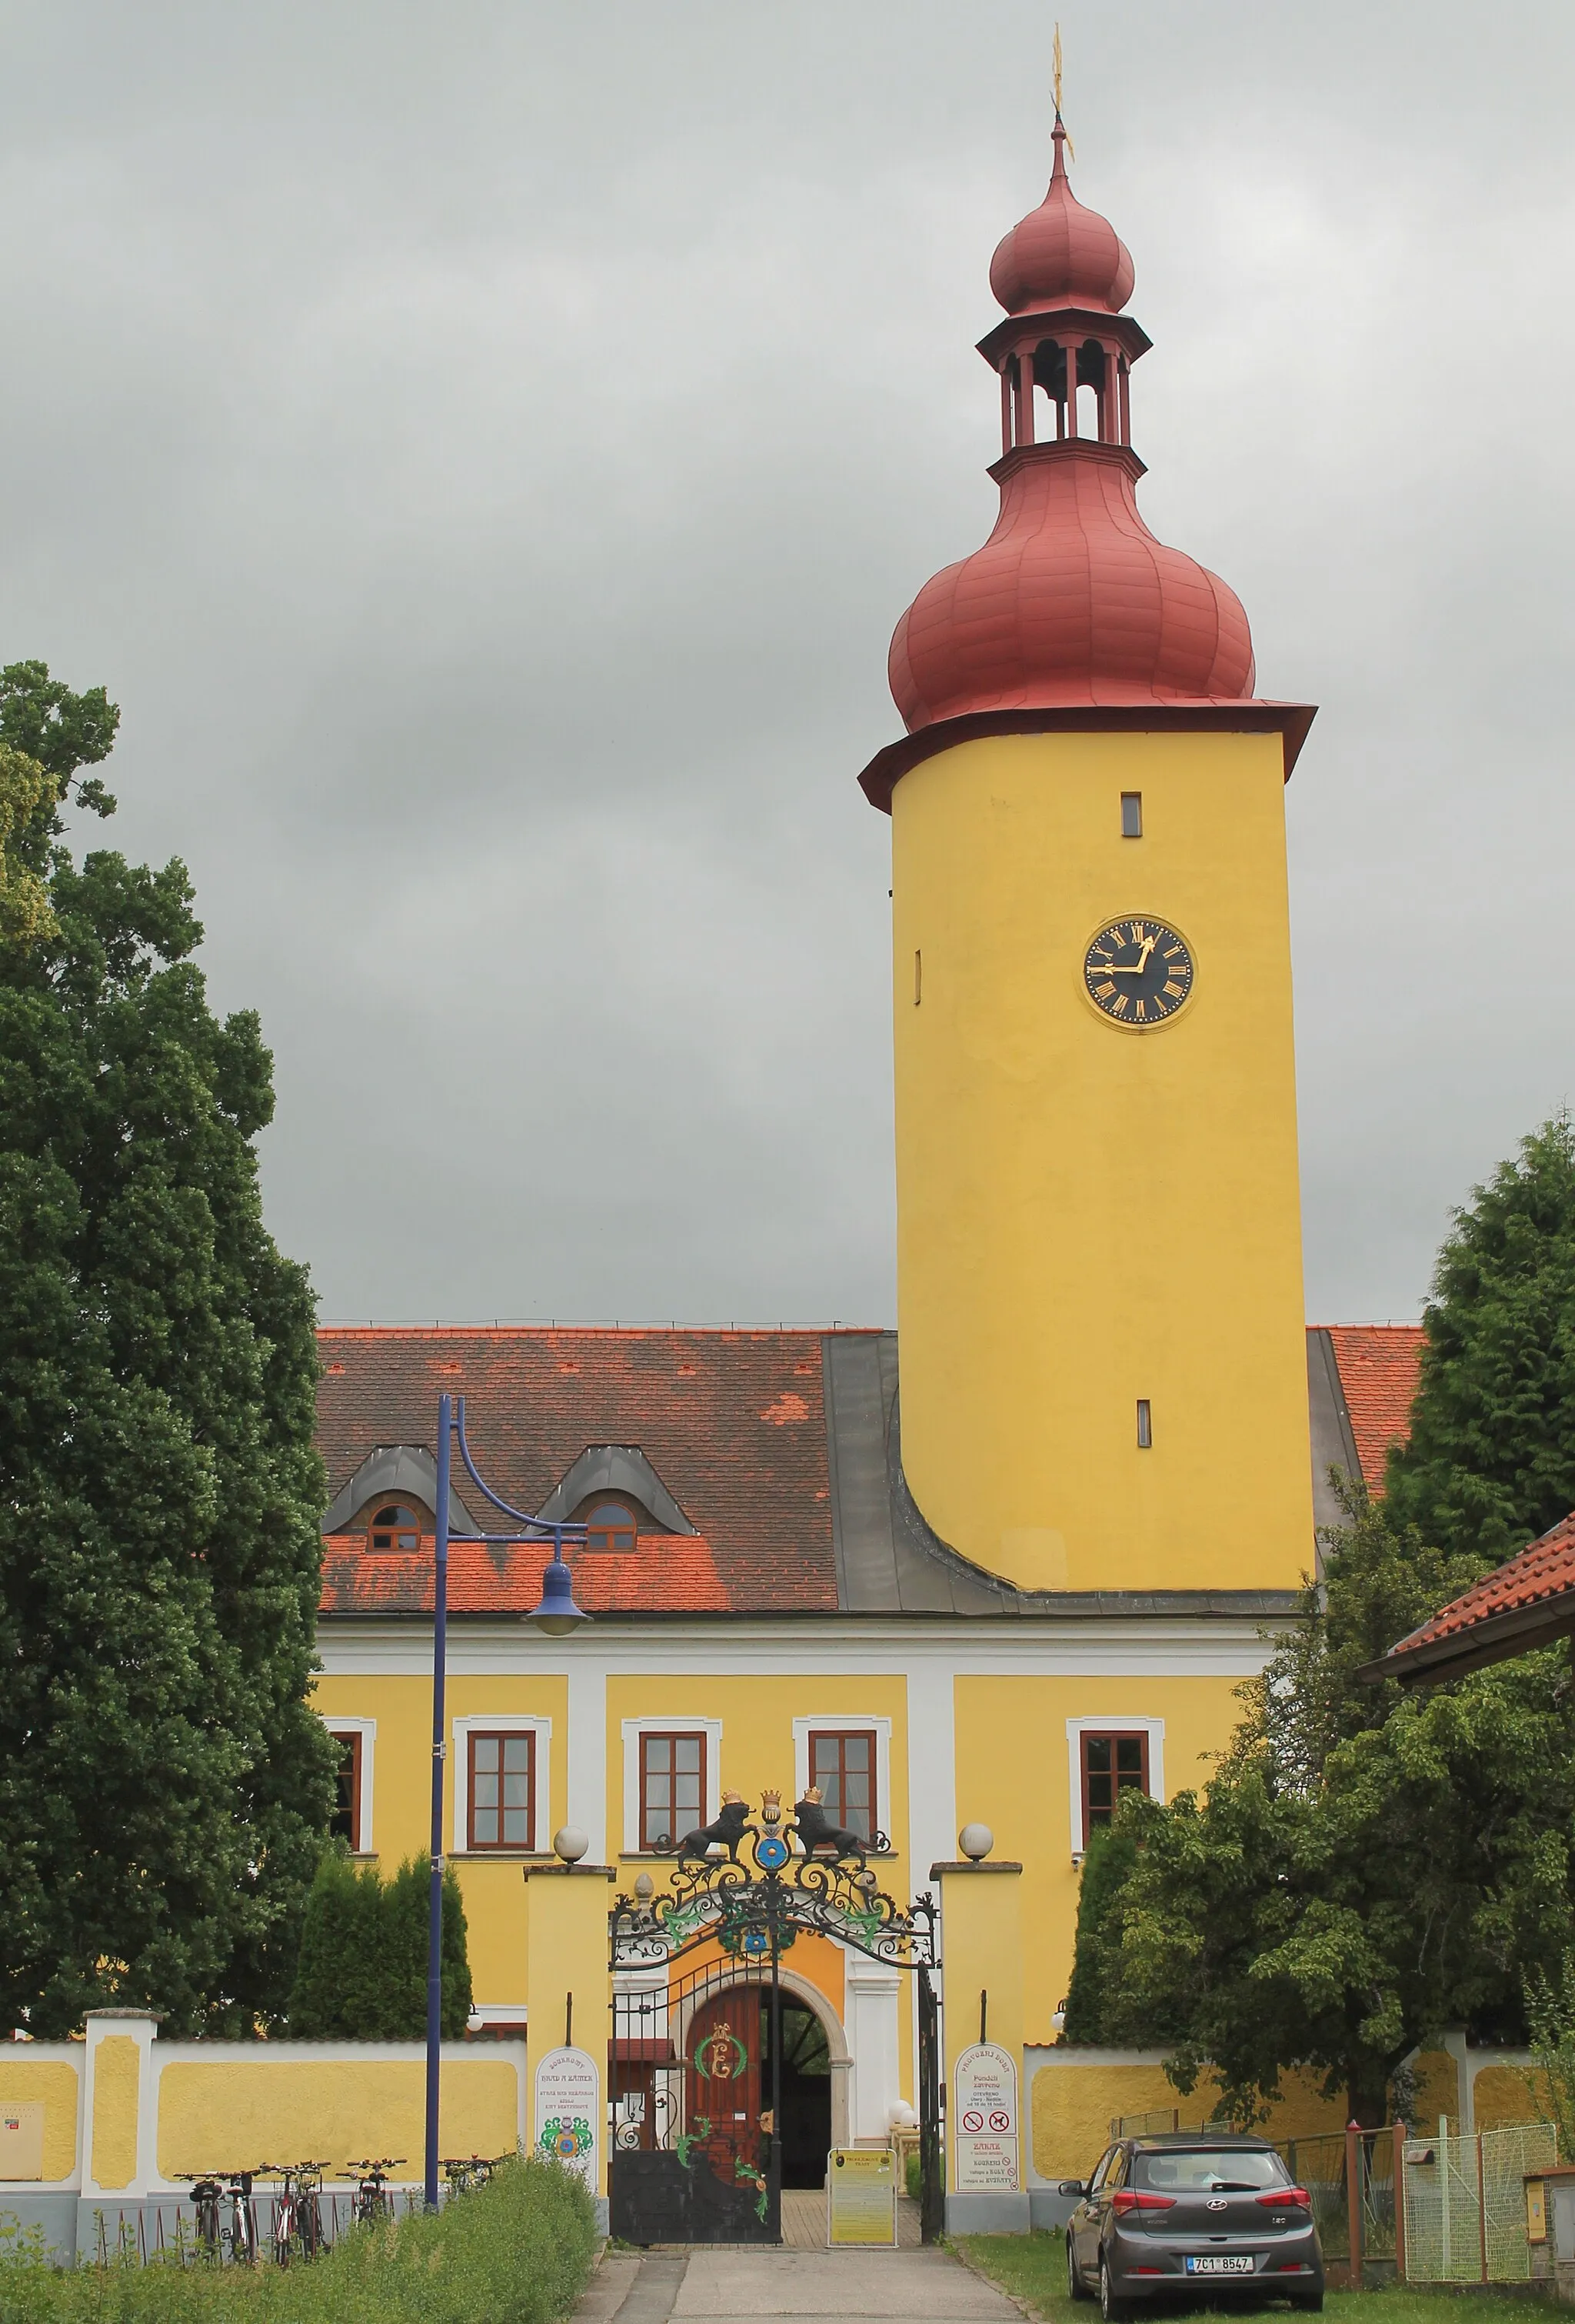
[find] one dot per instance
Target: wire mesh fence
(1457, 2215)
(1465, 2202)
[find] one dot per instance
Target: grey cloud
(485, 450)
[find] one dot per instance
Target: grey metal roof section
(890, 1561)
(613, 1469)
(1334, 1444)
(389, 1471)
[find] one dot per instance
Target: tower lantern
(1099, 1263)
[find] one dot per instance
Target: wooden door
(721, 2077)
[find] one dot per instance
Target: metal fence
(1461, 2214)
(166, 2229)
(1465, 2202)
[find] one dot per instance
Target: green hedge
(516, 2252)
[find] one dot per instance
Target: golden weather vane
(1056, 57)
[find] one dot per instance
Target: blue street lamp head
(558, 1612)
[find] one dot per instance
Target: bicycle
(373, 2200)
(206, 2195)
(465, 2173)
(240, 2234)
(296, 2214)
(308, 2209)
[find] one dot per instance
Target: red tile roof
(666, 1573)
(1379, 1366)
(734, 1423)
(1521, 1604)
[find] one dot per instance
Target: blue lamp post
(555, 1615)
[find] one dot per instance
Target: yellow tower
(1103, 1376)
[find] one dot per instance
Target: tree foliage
(1107, 1865)
(1490, 1461)
(163, 1783)
(1550, 2010)
(362, 1975)
(1366, 1867)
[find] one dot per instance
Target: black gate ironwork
(696, 2063)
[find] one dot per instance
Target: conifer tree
(165, 1785)
(1490, 1460)
(1096, 1952)
(362, 1975)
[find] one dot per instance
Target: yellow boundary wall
(1075, 2096)
(125, 2115)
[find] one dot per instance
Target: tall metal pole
(440, 1754)
(774, 2162)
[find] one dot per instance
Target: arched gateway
(727, 2067)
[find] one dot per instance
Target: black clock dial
(1138, 972)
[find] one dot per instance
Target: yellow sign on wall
(861, 2193)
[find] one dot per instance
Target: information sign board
(984, 2121)
(569, 2109)
(860, 2196)
(22, 2132)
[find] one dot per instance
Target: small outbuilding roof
(1526, 1602)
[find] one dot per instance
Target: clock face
(1138, 972)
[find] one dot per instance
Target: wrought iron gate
(697, 2059)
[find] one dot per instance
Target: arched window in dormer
(611, 1525)
(395, 1525)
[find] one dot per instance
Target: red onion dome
(1071, 600)
(1062, 255)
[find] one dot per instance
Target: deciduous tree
(1367, 1866)
(1490, 1459)
(163, 1783)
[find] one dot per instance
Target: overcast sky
(485, 448)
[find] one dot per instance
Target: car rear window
(1211, 2170)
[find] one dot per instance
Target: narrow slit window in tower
(1131, 814)
(1145, 1424)
(918, 978)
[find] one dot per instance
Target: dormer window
(394, 1525)
(610, 1525)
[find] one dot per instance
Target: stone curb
(1023, 2307)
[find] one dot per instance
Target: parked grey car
(1191, 2212)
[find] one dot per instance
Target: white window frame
(337, 1723)
(1110, 1722)
(843, 1722)
(501, 1722)
(667, 1722)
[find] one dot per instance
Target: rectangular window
(1111, 1765)
(502, 1811)
(1145, 1424)
(1131, 814)
(672, 1787)
(345, 1822)
(842, 1766)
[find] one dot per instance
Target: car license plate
(1220, 2264)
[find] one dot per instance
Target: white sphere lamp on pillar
(975, 1841)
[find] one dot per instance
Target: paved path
(726, 2285)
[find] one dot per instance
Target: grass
(516, 2252)
(1033, 2268)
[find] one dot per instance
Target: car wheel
(1112, 2310)
(1076, 2289)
